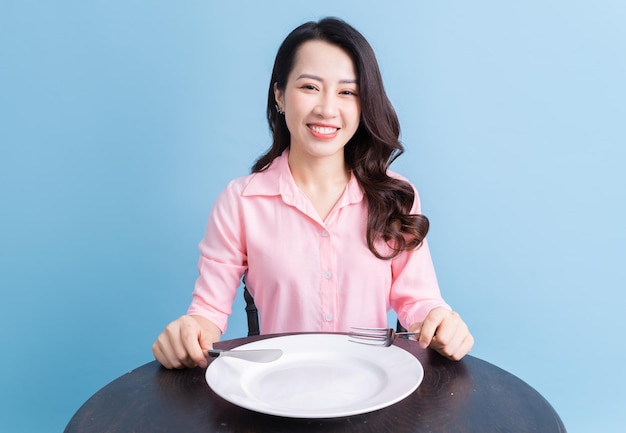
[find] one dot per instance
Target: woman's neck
(322, 180)
(319, 172)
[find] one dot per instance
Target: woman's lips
(323, 131)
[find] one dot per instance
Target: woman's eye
(348, 92)
(309, 87)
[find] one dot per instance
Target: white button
(325, 233)
(327, 275)
(328, 317)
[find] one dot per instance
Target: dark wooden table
(467, 396)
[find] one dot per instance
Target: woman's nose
(327, 106)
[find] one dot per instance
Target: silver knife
(260, 355)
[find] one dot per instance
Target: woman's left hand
(444, 331)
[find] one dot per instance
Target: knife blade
(259, 355)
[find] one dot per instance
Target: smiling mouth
(323, 130)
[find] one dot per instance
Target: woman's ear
(278, 96)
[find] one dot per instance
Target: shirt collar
(277, 180)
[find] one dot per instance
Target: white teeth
(322, 130)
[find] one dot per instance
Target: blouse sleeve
(223, 260)
(415, 290)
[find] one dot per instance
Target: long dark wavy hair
(371, 150)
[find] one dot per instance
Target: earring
(278, 110)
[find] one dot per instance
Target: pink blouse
(305, 274)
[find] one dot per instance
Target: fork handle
(408, 334)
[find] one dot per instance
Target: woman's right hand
(184, 342)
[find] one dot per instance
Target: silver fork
(376, 336)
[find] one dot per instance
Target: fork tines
(372, 336)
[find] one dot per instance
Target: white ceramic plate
(318, 376)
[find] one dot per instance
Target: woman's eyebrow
(321, 80)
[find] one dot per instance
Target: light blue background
(120, 122)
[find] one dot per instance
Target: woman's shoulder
(395, 175)
(398, 176)
(264, 182)
(259, 183)
(240, 183)
(229, 199)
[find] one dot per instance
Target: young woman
(327, 236)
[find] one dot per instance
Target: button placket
(328, 289)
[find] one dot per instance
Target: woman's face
(320, 100)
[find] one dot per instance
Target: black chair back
(253, 314)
